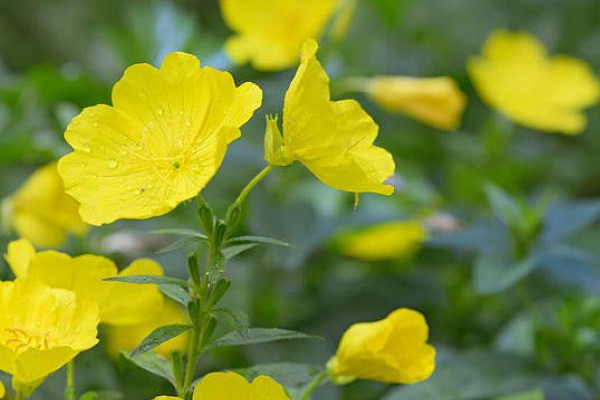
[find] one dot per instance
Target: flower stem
(259, 177)
(70, 389)
(316, 382)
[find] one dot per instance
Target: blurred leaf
(495, 272)
(503, 206)
(535, 394)
(517, 337)
(178, 244)
(152, 363)
(158, 337)
(232, 251)
(104, 395)
(570, 266)
(180, 231)
(259, 335)
(258, 240)
(472, 375)
(564, 219)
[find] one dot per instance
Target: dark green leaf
(258, 240)
(259, 335)
(503, 206)
(149, 279)
(496, 272)
(152, 363)
(232, 251)
(239, 319)
(178, 244)
(183, 232)
(159, 336)
(535, 394)
(175, 292)
(565, 219)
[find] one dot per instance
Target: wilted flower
(159, 144)
(333, 139)
(119, 303)
(41, 211)
(270, 33)
(515, 75)
(127, 337)
(384, 241)
(438, 102)
(42, 329)
(391, 350)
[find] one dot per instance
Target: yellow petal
(435, 101)
(333, 139)
(19, 255)
(167, 398)
(229, 385)
(385, 241)
(515, 76)
(270, 33)
(41, 211)
(265, 387)
(2, 390)
(160, 143)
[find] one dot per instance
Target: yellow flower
(515, 75)
(333, 139)
(127, 337)
(270, 33)
(434, 101)
(119, 303)
(384, 241)
(2, 390)
(159, 144)
(167, 398)
(42, 329)
(41, 211)
(230, 386)
(391, 350)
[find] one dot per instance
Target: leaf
(104, 395)
(564, 219)
(535, 394)
(176, 245)
(216, 267)
(176, 292)
(153, 363)
(259, 335)
(471, 375)
(503, 206)
(571, 266)
(159, 336)
(495, 272)
(239, 319)
(232, 251)
(258, 240)
(149, 279)
(179, 231)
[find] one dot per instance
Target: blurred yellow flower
(41, 211)
(159, 144)
(333, 139)
(42, 329)
(391, 350)
(229, 386)
(119, 303)
(341, 22)
(2, 390)
(270, 33)
(388, 240)
(127, 337)
(166, 398)
(515, 75)
(438, 102)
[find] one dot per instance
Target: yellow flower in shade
(388, 240)
(438, 102)
(270, 33)
(41, 211)
(2, 390)
(42, 329)
(119, 303)
(159, 144)
(127, 337)
(333, 139)
(515, 75)
(391, 350)
(229, 386)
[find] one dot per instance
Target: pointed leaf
(158, 337)
(258, 239)
(232, 251)
(239, 319)
(175, 292)
(495, 272)
(180, 231)
(567, 218)
(259, 335)
(503, 206)
(178, 244)
(153, 363)
(149, 279)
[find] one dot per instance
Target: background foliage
(512, 297)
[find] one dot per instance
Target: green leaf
(149, 279)
(175, 292)
(564, 219)
(239, 319)
(232, 251)
(183, 232)
(494, 272)
(178, 244)
(216, 267)
(159, 336)
(536, 394)
(471, 375)
(258, 240)
(503, 206)
(104, 395)
(153, 363)
(259, 335)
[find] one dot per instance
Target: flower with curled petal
(160, 142)
(333, 139)
(515, 75)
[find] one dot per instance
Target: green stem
(316, 382)
(70, 389)
(191, 361)
(244, 193)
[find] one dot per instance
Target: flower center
(20, 340)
